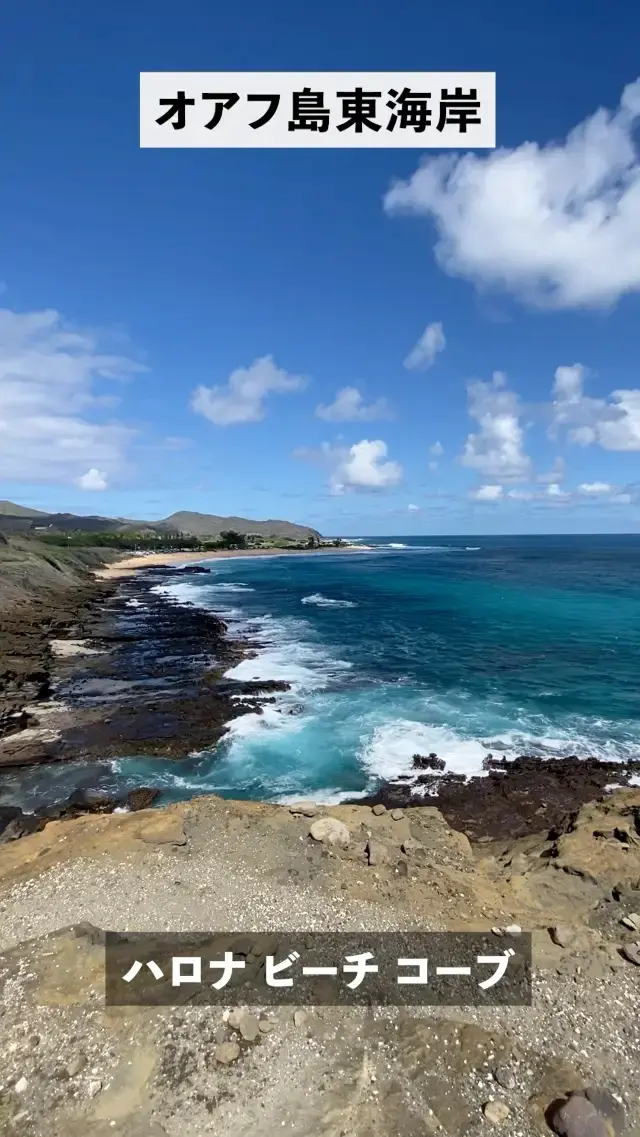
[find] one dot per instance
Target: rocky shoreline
(108, 668)
(117, 669)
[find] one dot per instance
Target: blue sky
(178, 326)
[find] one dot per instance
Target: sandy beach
(128, 565)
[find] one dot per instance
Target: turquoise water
(458, 645)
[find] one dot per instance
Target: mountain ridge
(21, 519)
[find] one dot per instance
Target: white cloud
(243, 396)
(613, 423)
(93, 480)
(413, 509)
(496, 450)
(423, 355)
(349, 406)
(521, 495)
(558, 225)
(555, 491)
(50, 400)
(437, 449)
(596, 489)
(487, 493)
(361, 467)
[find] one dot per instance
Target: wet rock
(142, 798)
(427, 762)
(330, 831)
(14, 823)
(513, 798)
(496, 1112)
(226, 1052)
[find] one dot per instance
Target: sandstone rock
(299, 1018)
(631, 922)
(411, 846)
(304, 808)
(376, 853)
(577, 1117)
(249, 1027)
(266, 1026)
(397, 814)
(379, 809)
(330, 831)
(562, 935)
(496, 1111)
(513, 930)
(226, 1052)
(94, 1087)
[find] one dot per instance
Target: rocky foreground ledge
(566, 1065)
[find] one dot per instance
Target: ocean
(458, 646)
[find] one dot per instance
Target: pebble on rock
(330, 831)
(496, 1111)
(631, 922)
(504, 1077)
(249, 1027)
(226, 1052)
(513, 930)
(21, 1085)
(299, 1018)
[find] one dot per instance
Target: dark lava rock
(428, 762)
(193, 570)
(14, 823)
(142, 798)
(514, 799)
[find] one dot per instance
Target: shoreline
(129, 566)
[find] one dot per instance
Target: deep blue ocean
(455, 645)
